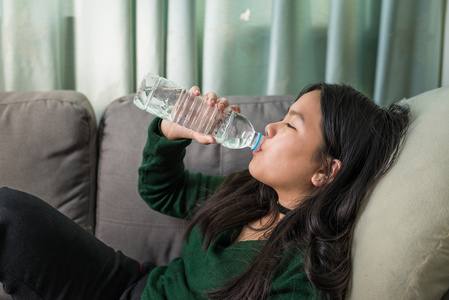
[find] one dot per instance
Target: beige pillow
(401, 243)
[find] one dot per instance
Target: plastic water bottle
(165, 99)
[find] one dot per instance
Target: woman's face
(286, 160)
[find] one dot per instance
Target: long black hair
(366, 139)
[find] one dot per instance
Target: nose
(270, 130)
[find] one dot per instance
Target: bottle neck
(257, 138)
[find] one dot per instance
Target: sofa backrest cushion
(401, 242)
(124, 221)
(48, 148)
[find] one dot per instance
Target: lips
(259, 147)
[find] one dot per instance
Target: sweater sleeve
(164, 183)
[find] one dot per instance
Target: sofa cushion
(124, 221)
(401, 243)
(48, 148)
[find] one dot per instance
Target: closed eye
(288, 124)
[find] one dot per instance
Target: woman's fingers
(222, 103)
(195, 90)
(211, 98)
(174, 131)
(236, 109)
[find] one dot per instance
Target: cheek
(292, 167)
(273, 170)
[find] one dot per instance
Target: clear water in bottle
(165, 99)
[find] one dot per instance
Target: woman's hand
(173, 131)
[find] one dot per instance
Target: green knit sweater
(170, 189)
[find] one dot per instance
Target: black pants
(45, 255)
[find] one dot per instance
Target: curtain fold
(353, 42)
(281, 49)
(385, 47)
(151, 32)
(444, 70)
(104, 50)
(409, 49)
(236, 39)
(297, 45)
(27, 61)
(182, 56)
(388, 49)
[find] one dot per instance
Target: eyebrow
(295, 113)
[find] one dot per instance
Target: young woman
(281, 230)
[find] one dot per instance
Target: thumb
(203, 138)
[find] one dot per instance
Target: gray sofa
(52, 147)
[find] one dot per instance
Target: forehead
(307, 104)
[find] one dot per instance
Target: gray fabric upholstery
(48, 148)
(124, 221)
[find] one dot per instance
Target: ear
(327, 173)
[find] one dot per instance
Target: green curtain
(388, 49)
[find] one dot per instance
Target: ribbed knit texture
(170, 189)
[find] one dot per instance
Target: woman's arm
(163, 181)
